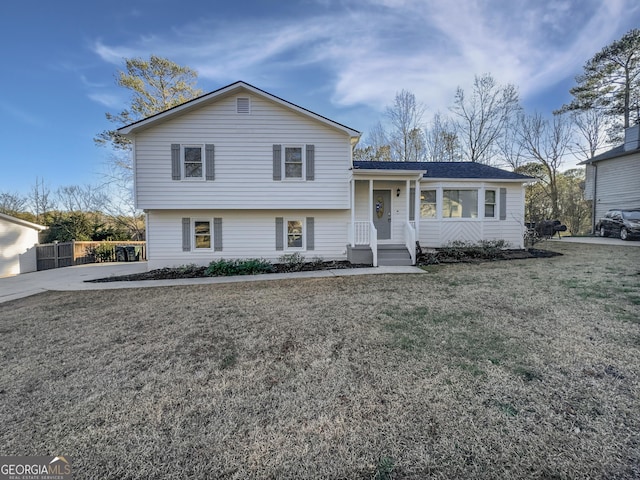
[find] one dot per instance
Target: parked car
(622, 223)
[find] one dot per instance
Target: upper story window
(489, 203)
(294, 162)
(192, 156)
(293, 165)
(460, 204)
(192, 161)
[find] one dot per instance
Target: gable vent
(242, 105)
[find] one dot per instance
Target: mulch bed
(429, 258)
(193, 271)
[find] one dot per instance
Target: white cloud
(366, 50)
(106, 99)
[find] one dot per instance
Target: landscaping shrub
(292, 262)
(250, 266)
(458, 251)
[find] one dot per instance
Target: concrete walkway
(74, 278)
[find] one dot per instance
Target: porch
(384, 228)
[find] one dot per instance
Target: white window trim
(422, 192)
(202, 158)
(440, 205)
(495, 203)
(193, 235)
(285, 225)
(303, 156)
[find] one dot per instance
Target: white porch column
(370, 201)
(407, 189)
(416, 217)
(353, 212)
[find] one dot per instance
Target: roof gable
(617, 152)
(225, 92)
(452, 170)
(21, 222)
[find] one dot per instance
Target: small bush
(105, 252)
(292, 262)
(485, 249)
(226, 268)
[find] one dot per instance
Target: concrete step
(393, 255)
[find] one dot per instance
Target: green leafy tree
(156, 85)
(610, 81)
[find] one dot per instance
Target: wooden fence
(66, 254)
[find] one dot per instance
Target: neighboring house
(17, 245)
(241, 173)
(613, 177)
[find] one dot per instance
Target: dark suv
(625, 223)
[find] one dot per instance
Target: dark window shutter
(175, 161)
(412, 204)
(279, 233)
(503, 204)
(277, 162)
(186, 234)
(311, 162)
(217, 234)
(209, 152)
(310, 233)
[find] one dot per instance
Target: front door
(382, 213)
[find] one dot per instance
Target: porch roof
(448, 170)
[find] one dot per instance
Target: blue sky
(342, 59)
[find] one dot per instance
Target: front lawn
(520, 369)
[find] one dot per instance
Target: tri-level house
(241, 173)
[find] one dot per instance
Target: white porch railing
(361, 233)
(373, 242)
(410, 240)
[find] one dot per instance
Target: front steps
(393, 255)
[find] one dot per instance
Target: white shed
(17, 245)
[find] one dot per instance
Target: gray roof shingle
(457, 170)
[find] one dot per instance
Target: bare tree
(441, 140)
(591, 127)
(547, 143)
(483, 116)
(41, 200)
(78, 198)
(12, 203)
(375, 147)
(510, 150)
(406, 138)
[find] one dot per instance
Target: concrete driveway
(67, 278)
(599, 241)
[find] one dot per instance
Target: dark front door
(382, 213)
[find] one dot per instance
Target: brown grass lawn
(519, 369)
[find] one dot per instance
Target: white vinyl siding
(436, 232)
(17, 248)
(246, 234)
(243, 159)
(617, 184)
